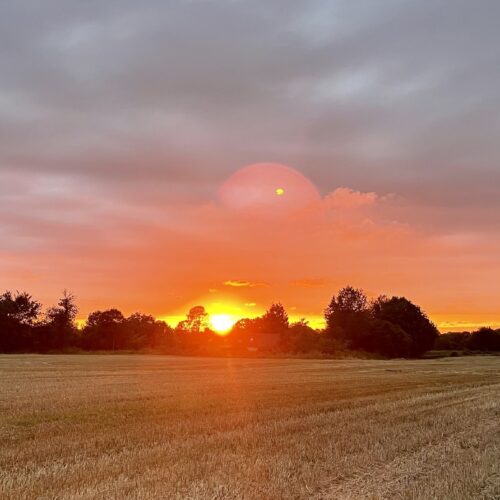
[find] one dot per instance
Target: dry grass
(132, 426)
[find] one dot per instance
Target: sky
(142, 145)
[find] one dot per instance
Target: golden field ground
(140, 426)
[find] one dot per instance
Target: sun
(280, 191)
(221, 323)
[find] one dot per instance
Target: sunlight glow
(280, 191)
(222, 323)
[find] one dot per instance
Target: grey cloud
(396, 95)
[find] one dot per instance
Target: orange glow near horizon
(266, 234)
(222, 323)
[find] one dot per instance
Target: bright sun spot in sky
(280, 191)
(221, 323)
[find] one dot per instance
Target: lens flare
(258, 187)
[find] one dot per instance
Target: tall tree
(275, 319)
(104, 330)
(410, 318)
(196, 321)
(18, 314)
(61, 321)
(20, 307)
(142, 331)
(347, 314)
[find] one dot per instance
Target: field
(138, 426)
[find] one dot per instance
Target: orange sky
(126, 130)
(248, 246)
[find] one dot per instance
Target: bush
(452, 341)
(484, 339)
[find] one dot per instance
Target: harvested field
(140, 426)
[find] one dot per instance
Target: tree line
(386, 327)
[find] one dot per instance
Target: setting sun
(221, 323)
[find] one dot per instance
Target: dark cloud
(137, 100)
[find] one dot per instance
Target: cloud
(244, 284)
(171, 254)
(345, 198)
(119, 123)
(354, 95)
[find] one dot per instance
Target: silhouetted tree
(391, 327)
(192, 334)
(275, 320)
(301, 338)
(242, 326)
(242, 332)
(18, 314)
(144, 331)
(104, 330)
(452, 341)
(196, 321)
(347, 316)
(484, 339)
(20, 307)
(268, 331)
(350, 303)
(410, 318)
(349, 300)
(387, 339)
(60, 322)
(163, 337)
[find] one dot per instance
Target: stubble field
(138, 426)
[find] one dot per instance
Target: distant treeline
(484, 340)
(386, 327)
